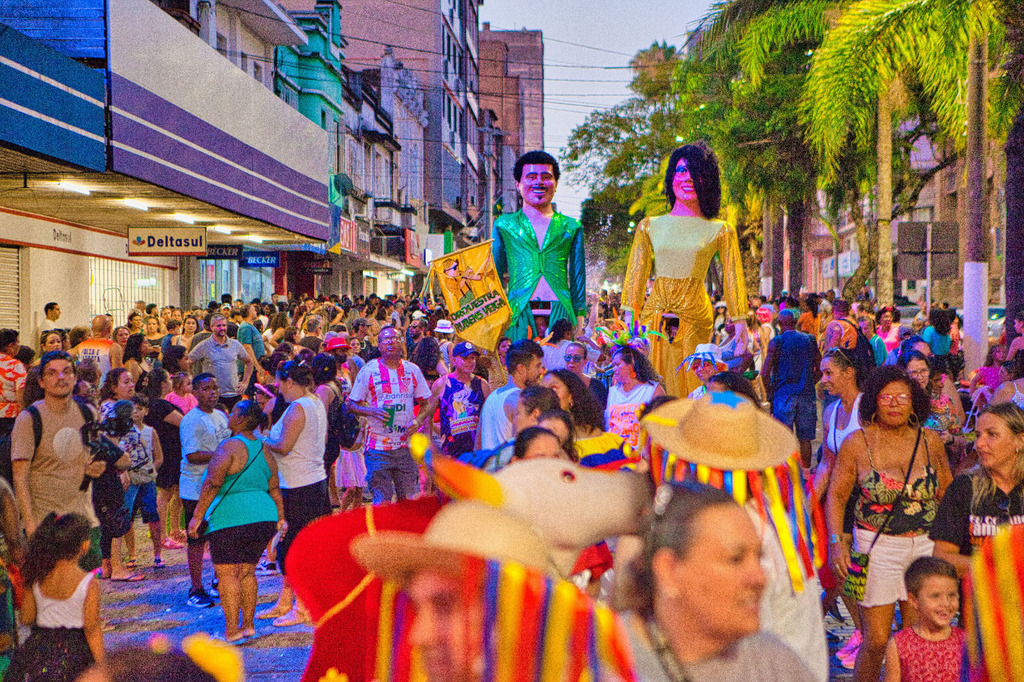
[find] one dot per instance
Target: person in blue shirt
(937, 336)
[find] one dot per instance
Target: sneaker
(265, 567)
(852, 646)
(214, 592)
(200, 599)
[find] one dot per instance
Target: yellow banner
(474, 295)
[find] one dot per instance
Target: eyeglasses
(66, 372)
(919, 373)
(894, 399)
(573, 358)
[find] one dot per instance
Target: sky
(611, 32)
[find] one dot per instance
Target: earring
(913, 420)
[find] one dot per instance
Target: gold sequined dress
(679, 249)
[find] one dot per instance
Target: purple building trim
(140, 167)
(144, 138)
(138, 101)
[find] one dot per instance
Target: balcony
(181, 10)
(389, 241)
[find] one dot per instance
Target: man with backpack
(53, 468)
(790, 372)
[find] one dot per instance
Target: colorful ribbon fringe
(536, 629)
(780, 495)
(994, 613)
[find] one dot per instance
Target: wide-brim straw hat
(721, 430)
(461, 529)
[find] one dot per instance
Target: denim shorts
(143, 495)
(798, 410)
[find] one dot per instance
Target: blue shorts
(798, 410)
(144, 495)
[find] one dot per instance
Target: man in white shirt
(385, 392)
(525, 362)
(202, 431)
(52, 312)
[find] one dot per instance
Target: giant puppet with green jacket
(541, 252)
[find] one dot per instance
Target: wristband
(833, 539)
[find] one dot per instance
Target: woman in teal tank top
(241, 503)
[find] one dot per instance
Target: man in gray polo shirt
(222, 355)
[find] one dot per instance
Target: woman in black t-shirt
(990, 495)
(164, 416)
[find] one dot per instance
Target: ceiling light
(135, 203)
(72, 187)
(223, 229)
(256, 239)
(181, 217)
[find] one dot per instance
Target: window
(222, 44)
(257, 71)
(323, 119)
(244, 62)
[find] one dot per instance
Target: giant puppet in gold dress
(678, 247)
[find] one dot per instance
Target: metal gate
(10, 288)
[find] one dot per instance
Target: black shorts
(169, 473)
(240, 544)
(302, 506)
(188, 508)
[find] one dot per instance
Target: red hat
(337, 343)
(343, 598)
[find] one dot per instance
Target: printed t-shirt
(12, 380)
(460, 415)
(957, 523)
(58, 465)
(97, 350)
(621, 415)
(395, 390)
(200, 431)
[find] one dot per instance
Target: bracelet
(834, 539)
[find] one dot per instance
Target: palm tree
(1011, 13)
(878, 42)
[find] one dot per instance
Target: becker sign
(166, 241)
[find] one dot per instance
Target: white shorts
(350, 471)
(889, 560)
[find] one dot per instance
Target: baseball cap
(337, 343)
(418, 315)
(464, 349)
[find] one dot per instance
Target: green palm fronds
(781, 27)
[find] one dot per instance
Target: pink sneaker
(848, 654)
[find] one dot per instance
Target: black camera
(117, 425)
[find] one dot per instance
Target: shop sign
(167, 241)
(223, 251)
(363, 243)
(348, 235)
(321, 267)
(261, 259)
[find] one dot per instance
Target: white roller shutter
(10, 288)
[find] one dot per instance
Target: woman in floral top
(902, 475)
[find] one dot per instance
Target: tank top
(835, 437)
(460, 415)
(97, 350)
(62, 613)
(304, 464)
(916, 504)
(621, 415)
(1018, 397)
(922, 660)
(247, 500)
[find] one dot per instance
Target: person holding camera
(50, 459)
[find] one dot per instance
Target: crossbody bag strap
(906, 480)
(210, 510)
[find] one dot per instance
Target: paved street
(157, 605)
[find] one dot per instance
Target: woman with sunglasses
(903, 473)
(576, 358)
(989, 495)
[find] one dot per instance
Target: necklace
(670, 663)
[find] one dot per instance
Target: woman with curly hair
(634, 384)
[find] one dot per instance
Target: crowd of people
(238, 425)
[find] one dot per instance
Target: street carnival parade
(409, 340)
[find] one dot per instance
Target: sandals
(171, 543)
(132, 563)
(131, 578)
(158, 562)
